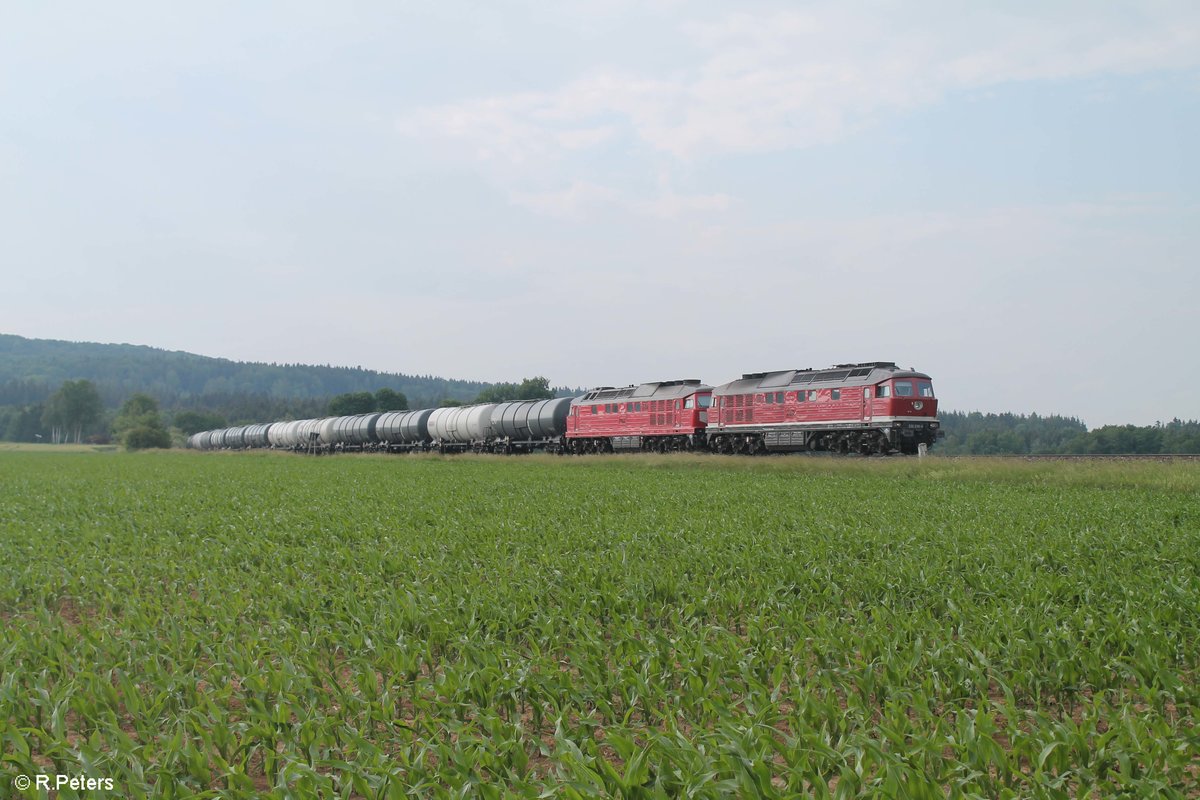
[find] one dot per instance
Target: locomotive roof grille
(642, 390)
(608, 394)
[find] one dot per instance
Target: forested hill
(32, 369)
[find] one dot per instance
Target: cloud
(797, 78)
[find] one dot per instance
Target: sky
(1005, 196)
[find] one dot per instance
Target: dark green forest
(42, 398)
(233, 392)
(981, 434)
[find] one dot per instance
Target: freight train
(873, 407)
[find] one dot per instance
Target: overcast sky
(610, 192)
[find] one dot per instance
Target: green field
(238, 625)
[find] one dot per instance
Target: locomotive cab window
(690, 402)
(925, 388)
(835, 394)
(704, 400)
(904, 389)
(884, 391)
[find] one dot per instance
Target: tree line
(390, 400)
(979, 434)
(33, 369)
(76, 412)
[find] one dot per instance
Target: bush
(145, 437)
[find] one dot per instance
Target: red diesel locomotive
(668, 415)
(866, 408)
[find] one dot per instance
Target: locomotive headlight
(918, 405)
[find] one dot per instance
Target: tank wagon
(355, 432)
(521, 426)
(524, 426)
(872, 407)
(400, 431)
